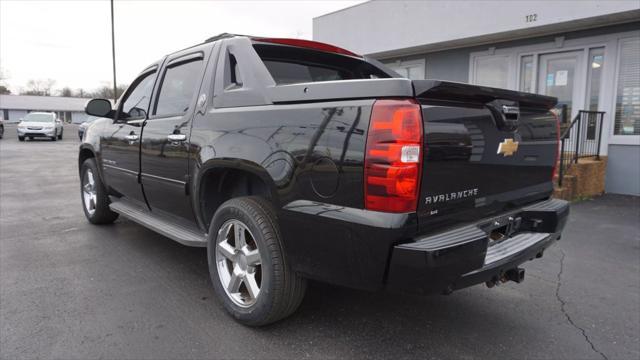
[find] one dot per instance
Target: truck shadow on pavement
(339, 322)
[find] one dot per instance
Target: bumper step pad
(512, 246)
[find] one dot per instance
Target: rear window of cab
(292, 65)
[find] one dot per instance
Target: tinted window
(137, 103)
(291, 73)
(232, 76)
(178, 87)
(290, 65)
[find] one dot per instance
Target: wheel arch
(222, 179)
(87, 152)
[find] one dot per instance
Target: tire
(60, 136)
(55, 136)
(280, 289)
(95, 201)
(20, 138)
(1, 132)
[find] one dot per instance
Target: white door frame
(579, 84)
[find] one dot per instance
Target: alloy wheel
(238, 263)
(89, 193)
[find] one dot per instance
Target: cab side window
(136, 104)
(178, 87)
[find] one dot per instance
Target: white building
(586, 53)
(15, 107)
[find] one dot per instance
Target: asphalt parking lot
(71, 290)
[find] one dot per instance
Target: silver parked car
(40, 124)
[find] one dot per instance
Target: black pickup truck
(292, 160)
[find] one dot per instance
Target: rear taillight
(393, 156)
(556, 163)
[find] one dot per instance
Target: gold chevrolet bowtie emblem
(508, 147)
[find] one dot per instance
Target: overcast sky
(70, 41)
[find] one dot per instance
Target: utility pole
(113, 54)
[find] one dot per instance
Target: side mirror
(99, 107)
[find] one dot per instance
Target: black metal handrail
(581, 139)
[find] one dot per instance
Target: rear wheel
(94, 195)
(247, 264)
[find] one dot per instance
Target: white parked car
(40, 124)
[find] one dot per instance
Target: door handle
(132, 137)
(177, 137)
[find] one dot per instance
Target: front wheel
(60, 136)
(20, 138)
(95, 200)
(247, 263)
(55, 136)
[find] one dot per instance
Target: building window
(5, 114)
(526, 74)
(492, 71)
(627, 121)
(413, 70)
(595, 66)
(594, 79)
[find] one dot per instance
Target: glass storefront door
(561, 75)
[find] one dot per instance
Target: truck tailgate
(486, 151)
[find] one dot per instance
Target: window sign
(550, 78)
(562, 77)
